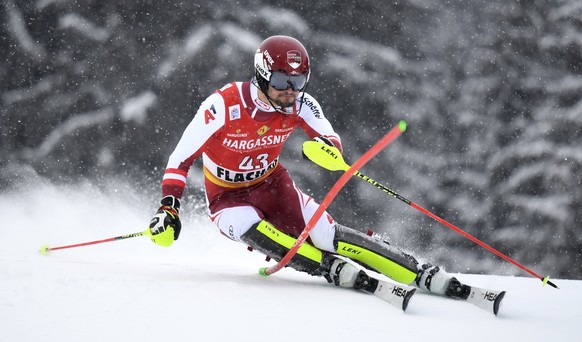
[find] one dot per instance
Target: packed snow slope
(206, 288)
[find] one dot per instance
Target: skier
(239, 131)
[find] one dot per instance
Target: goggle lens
(282, 81)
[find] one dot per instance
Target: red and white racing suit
(240, 139)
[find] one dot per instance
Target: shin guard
(375, 254)
(272, 242)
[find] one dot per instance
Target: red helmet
(282, 55)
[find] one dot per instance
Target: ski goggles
(282, 81)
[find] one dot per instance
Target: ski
(398, 295)
(488, 300)
(395, 294)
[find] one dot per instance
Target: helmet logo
(268, 57)
(294, 58)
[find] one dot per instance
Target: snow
(63, 130)
(85, 27)
(16, 25)
(31, 92)
(194, 43)
(136, 108)
(206, 287)
(285, 20)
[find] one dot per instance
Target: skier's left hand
(323, 140)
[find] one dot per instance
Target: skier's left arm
(316, 125)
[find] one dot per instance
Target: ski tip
(497, 302)
(407, 299)
(44, 249)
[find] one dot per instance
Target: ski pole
(44, 249)
(333, 152)
(336, 163)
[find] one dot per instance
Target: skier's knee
(235, 222)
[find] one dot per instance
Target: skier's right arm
(208, 120)
(165, 226)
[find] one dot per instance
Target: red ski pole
(333, 153)
(44, 249)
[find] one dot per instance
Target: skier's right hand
(165, 226)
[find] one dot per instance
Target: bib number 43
(249, 163)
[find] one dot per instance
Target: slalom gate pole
(334, 153)
(44, 249)
(337, 163)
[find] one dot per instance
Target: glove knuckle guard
(156, 224)
(323, 140)
(170, 201)
(165, 226)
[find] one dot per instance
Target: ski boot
(345, 274)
